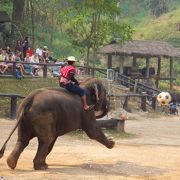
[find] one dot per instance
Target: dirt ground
(152, 153)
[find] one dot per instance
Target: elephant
(47, 113)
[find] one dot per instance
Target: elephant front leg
(94, 132)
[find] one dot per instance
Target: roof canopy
(4, 17)
(141, 48)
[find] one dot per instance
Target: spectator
(18, 47)
(11, 57)
(45, 54)
(29, 52)
(39, 52)
(3, 65)
(8, 50)
(35, 59)
(25, 45)
(81, 68)
(19, 66)
(28, 67)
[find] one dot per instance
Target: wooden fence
(98, 72)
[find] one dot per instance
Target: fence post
(14, 69)
(45, 71)
(126, 102)
(154, 102)
(143, 102)
(13, 107)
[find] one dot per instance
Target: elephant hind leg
(44, 147)
(14, 156)
(94, 132)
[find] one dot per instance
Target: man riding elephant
(68, 81)
(51, 112)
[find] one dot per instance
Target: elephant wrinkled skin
(51, 112)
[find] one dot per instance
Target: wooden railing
(98, 72)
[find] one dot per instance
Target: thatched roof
(4, 17)
(141, 48)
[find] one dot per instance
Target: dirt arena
(152, 153)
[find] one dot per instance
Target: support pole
(158, 72)
(171, 73)
(109, 61)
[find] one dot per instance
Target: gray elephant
(51, 112)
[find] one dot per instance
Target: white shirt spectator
(39, 51)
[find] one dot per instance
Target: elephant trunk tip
(2, 151)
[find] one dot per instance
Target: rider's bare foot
(88, 108)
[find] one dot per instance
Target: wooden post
(134, 61)
(135, 85)
(158, 72)
(14, 69)
(13, 107)
(126, 102)
(45, 71)
(171, 73)
(121, 125)
(109, 61)
(143, 102)
(147, 67)
(154, 102)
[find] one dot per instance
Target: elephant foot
(110, 143)
(40, 166)
(11, 162)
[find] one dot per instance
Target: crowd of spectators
(22, 52)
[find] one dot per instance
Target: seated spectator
(3, 65)
(35, 59)
(81, 68)
(19, 66)
(10, 57)
(8, 50)
(39, 52)
(45, 54)
(28, 67)
(29, 51)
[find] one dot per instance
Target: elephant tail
(19, 120)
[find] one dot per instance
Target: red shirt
(30, 52)
(66, 70)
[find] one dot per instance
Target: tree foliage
(80, 25)
(158, 7)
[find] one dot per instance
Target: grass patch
(25, 86)
(22, 87)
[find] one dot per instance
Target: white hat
(45, 47)
(71, 58)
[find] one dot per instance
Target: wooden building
(146, 50)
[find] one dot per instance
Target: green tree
(158, 7)
(94, 23)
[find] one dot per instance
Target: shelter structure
(147, 50)
(4, 18)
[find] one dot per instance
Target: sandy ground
(152, 153)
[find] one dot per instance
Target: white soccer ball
(164, 98)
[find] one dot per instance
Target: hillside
(165, 28)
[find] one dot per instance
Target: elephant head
(96, 94)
